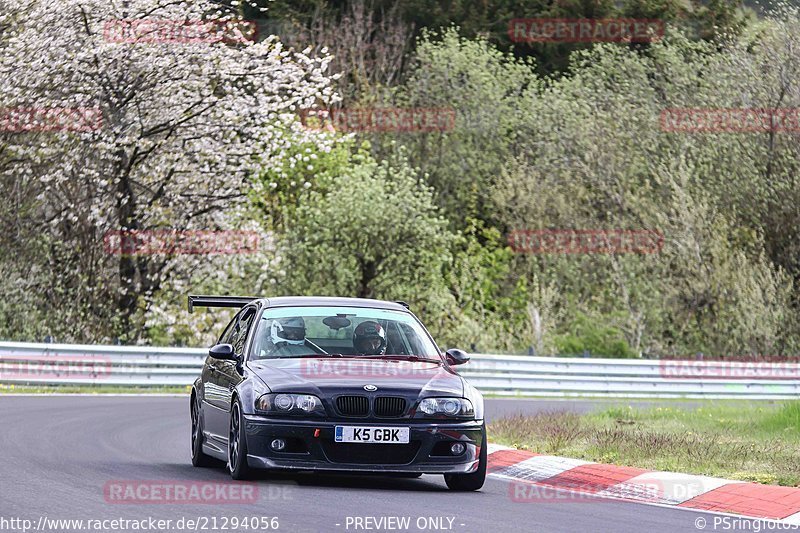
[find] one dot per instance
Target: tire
(475, 480)
(237, 446)
(199, 459)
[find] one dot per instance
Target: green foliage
(490, 19)
(375, 233)
(593, 337)
(423, 217)
(484, 87)
(486, 303)
(277, 191)
(785, 419)
(524, 154)
(719, 283)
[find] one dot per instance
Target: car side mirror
(223, 352)
(456, 357)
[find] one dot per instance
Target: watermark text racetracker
(50, 118)
(730, 120)
(80, 367)
(554, 30)
(644, 488)
(768, 368)
(369, 369)
(377, 369)
(160, 31)
(586, 241)
(183, 242)
(195, 523)
(180, 491)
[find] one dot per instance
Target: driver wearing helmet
(288, 336)
(369, 338)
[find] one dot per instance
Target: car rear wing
(219, 301)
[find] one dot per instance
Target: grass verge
(735, 440)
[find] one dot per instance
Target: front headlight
(290, 404)
(448, 407)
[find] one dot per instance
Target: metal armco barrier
(508, 375)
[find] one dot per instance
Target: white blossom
(184, 125)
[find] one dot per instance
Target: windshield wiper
(302, 356)
(412, 358)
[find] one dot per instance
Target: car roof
(291, 301)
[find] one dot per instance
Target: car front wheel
(475, 480)
(237, 446)
(199, 458)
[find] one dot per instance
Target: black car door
(230, 372)
(215, 397)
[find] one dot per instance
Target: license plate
(372, 435)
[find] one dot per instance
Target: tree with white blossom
(178, 128)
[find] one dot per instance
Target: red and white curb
(547, 478)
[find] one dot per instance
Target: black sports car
(356, 385)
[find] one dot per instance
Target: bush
(595, 338)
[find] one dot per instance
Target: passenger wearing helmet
(369, 338)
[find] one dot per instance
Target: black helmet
(369, 338)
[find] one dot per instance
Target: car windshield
(341, 332)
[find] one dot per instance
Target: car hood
(326, 376)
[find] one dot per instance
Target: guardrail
(508, 375)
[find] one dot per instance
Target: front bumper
(427, 451)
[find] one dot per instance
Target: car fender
(475, 396)
(249, 390)
(197, 389)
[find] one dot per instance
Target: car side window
(225, 338)
(241, 329)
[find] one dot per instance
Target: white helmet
(288, 331)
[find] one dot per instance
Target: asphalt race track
(60, 452)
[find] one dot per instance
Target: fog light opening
(277, 444)
(458, 448)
